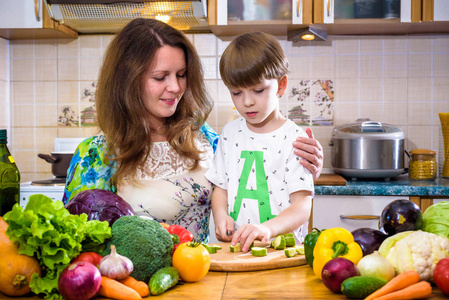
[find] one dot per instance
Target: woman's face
(164, 83)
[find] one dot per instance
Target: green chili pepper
(309, 244)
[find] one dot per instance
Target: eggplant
(369, 239)
(400, 215)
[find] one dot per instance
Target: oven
(50, 187)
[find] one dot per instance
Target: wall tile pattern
(400, 80)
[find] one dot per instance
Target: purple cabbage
(99, 205)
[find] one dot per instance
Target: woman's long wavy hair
(120, 107)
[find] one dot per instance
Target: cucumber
(235, 248)
(259, 251)
(360, 287)
(163, 280)
(279, 243)
(211, 248)
(290, 252)
(289, 240)
(299, 249)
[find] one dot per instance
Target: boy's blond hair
(252, 57)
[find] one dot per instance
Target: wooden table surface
(288, 283)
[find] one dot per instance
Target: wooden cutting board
(225, 260)
(330, 179)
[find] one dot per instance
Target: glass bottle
(423, 165)
(9, 177)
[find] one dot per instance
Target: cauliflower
(415, 250)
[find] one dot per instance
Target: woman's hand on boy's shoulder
(311, 151)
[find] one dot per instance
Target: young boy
(260, 188)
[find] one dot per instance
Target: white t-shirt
(259, 172)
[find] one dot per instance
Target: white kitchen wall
(400, 80)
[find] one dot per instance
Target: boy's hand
(246, 234)
(225, 229)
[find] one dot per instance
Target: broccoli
(145, 242)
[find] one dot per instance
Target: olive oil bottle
(9, 177)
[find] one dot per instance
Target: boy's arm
(288, 220)
(223, 222)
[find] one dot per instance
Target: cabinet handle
(359, 217)
(37, 9)
(329, 7)
(298, 8)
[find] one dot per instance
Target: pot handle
(47, 158)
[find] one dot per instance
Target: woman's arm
(311, 152)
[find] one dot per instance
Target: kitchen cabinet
(425, 202)
(349, 212)
(29, 19)
(435, 10)
(332, 16)
(232, 17)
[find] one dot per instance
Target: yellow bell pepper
(332, 243)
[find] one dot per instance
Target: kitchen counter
(288, 283)
(400, 186)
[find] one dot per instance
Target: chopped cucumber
(289, 240)
(300, 249)
(211, 248)
(235, 248)
(290, 252)
(279, 243)
(259, 251)
(218, 247)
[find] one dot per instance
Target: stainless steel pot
(367, 149)
(60, 162)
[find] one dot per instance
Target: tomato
(92, 257)
(441, 275)
(192, 261)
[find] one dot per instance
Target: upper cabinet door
(267, 12)
(435, 10)
(340, 11)
(21, 14)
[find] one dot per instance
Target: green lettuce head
(436, 219)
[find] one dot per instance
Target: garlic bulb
(116, 266)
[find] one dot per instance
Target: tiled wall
(400, 80)
(4, 85)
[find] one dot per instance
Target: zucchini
(360, 287)
(163, 280)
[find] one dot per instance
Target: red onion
(79, 281)
(336, 271)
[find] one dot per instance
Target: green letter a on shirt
(260, 192)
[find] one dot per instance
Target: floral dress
(170, 192)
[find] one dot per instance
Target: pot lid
(368, 129)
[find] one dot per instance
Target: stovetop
(56, 181)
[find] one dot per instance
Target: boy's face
(259, 103)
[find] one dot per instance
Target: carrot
(139, 286)
(398, 282)
(111, 288)
(419, 290)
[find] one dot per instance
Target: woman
(155, 148)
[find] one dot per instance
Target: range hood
(109, 16)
